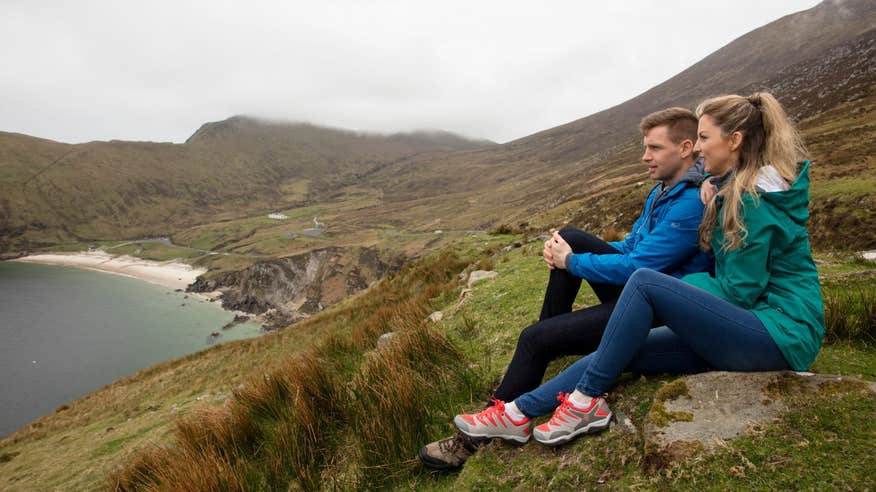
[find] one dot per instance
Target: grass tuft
(850, 311)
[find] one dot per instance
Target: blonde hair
(768, 138)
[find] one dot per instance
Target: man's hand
(548, 252)
(560, 249)
(707, 192)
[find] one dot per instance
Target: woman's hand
(560, 250)
(707, 192)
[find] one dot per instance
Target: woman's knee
(646, 275)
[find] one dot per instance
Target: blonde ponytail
(768, 137)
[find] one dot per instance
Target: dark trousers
(560, 331)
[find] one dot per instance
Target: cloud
(79, 71)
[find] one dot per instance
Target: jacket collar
(694, 176)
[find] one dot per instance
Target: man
(663, 238)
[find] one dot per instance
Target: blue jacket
(664, 238)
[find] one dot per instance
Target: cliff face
(291, 288)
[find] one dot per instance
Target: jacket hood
(795, 200)
(696, 173)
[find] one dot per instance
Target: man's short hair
(681, 123)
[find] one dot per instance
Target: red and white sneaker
(570, 421)
(494, 422)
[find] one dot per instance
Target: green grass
(850, 309)
(851, 187)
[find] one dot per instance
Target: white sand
(171, 274)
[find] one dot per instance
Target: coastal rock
(297, 286)
(697, 413)
(12, 256)
(238, 319)
(480, 275)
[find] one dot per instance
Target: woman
(761, 311)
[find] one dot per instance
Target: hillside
(54, 193)
(818, 62)
(310, 406)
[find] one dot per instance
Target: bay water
(65, 332)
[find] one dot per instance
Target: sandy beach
(171, 274)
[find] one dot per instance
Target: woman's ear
(735, 140)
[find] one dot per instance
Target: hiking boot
(450, 453)
(494, 422)
(570, 421)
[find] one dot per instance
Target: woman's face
(721, 153)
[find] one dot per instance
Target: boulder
(479, 275)
(697, 413)
(385, 340)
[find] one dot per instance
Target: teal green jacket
(772, 273)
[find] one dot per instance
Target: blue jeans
(702, 333)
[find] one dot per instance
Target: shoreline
(172, 274)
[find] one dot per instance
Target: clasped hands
(556, 251)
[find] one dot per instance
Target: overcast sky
(156, 70)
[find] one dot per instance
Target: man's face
(662, 155)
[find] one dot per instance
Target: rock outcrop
(288, 289)
(695, 414)
(480, 275)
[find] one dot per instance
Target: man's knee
(529, 338)
(569, 232)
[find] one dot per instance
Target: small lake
(65, 332)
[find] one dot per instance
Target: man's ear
(735, 140)
(686, 148)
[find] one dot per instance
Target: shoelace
(452, 445)
(498, 407)
(563, 398)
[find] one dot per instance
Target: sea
(65, 332)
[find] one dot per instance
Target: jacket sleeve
(671, 242)
(626, 245)
(745, 271)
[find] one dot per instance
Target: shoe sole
(591, 428)
(513, 439)
(436, 464)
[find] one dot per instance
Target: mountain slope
(819, 63)
(54, 192)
